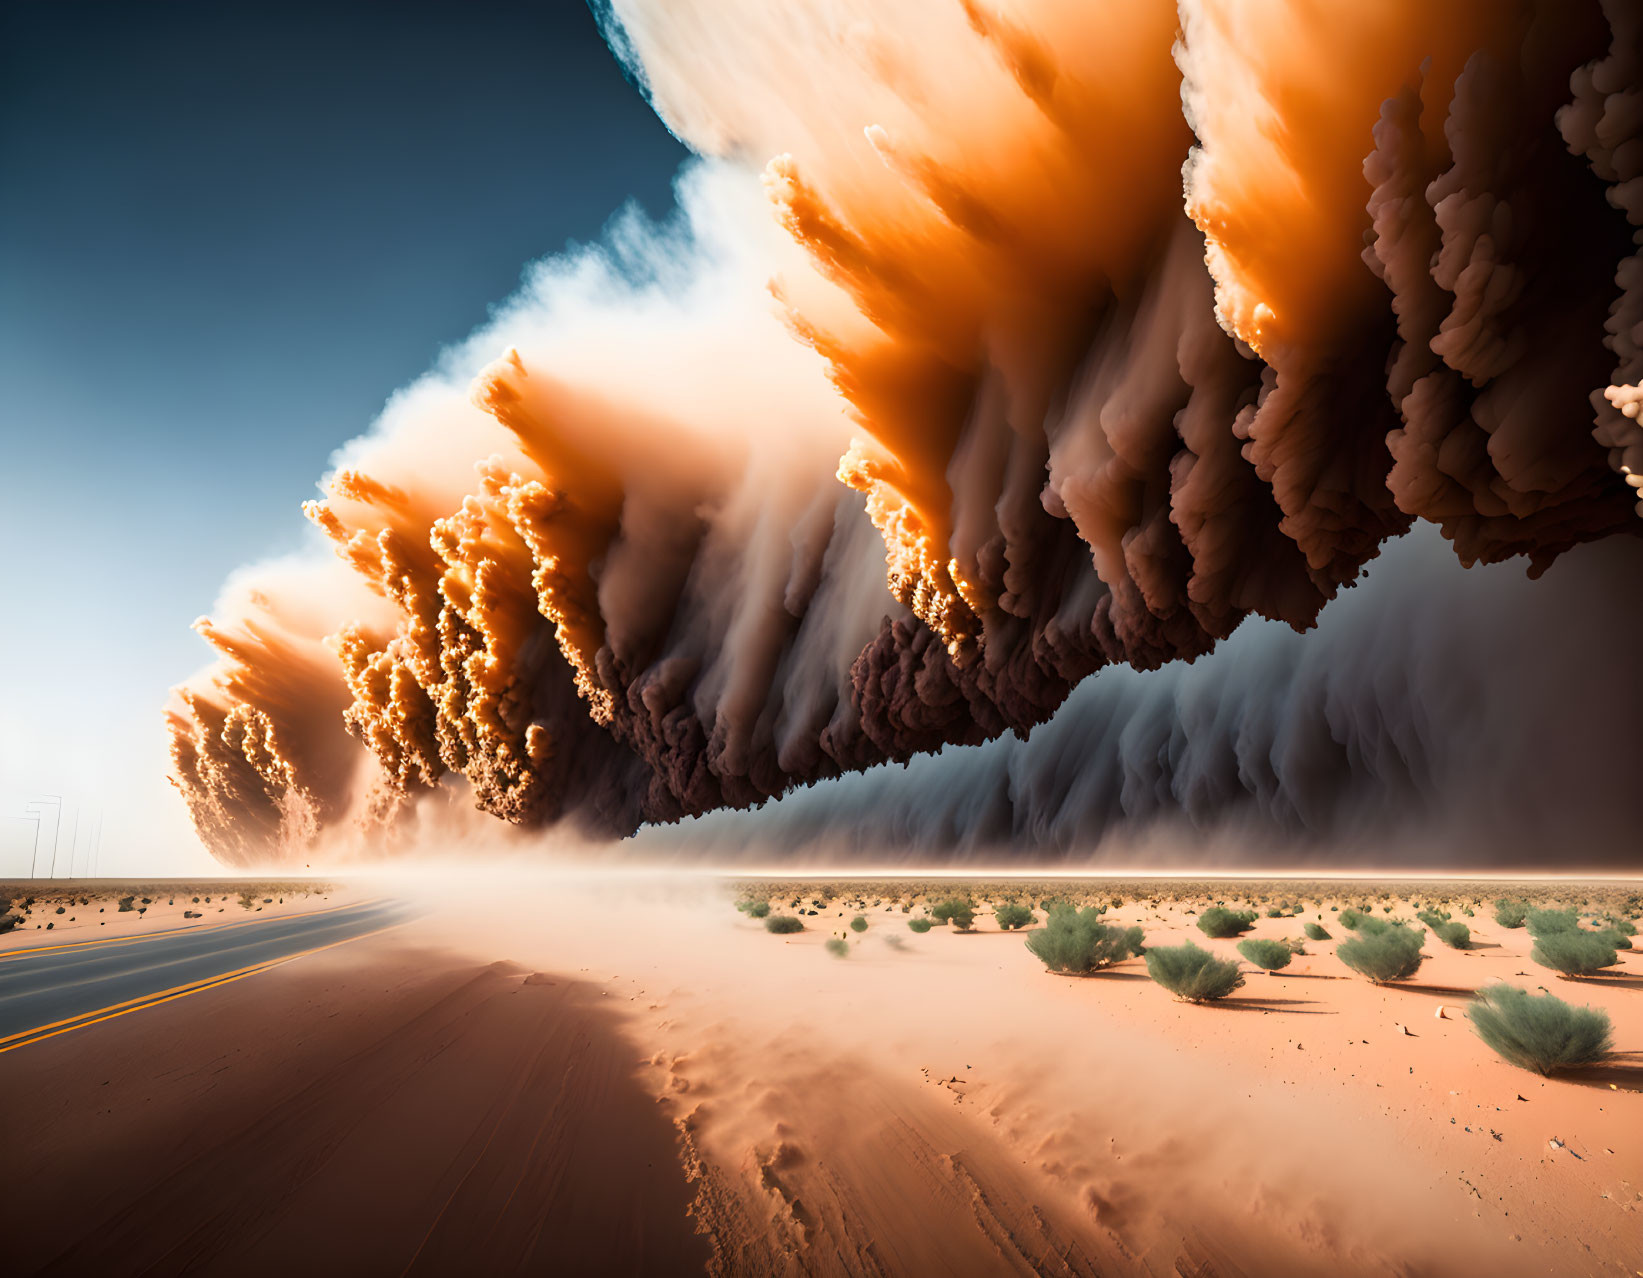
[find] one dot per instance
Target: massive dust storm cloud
(991, 345)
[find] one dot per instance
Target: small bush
(1350, 918)
(1539, 1032)
(1573, 953)
(1269, 955)
(754, 909)
(1545, 922)
(1624, 927)
(858, 924)
(1275, 913)
(1078, 941)
(1013, 916)
(919, 925)
(1192, 974)
(1511, 913)
(838, 947)
(957, 911)
(1456, 935)
(1617, 939)
(1219, 922)
(126, 904)
(783, 923)
(1392, 953)
(1433, 919)
(1315, 933)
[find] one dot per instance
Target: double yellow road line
(42, 1032)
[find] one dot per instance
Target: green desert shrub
(1013, 916)
(858, 924)
(1510, 913)
(1392, 953)
(838, 947)
(1624, 927)
(754, 909)
(1350, 918)
(957, 911)
(1275, 913)
(919, 925)
(1573, 953)
(1456, 935)
(1315, 933)
(126, 904)
(1539, 1031)
(1433, 919)
(1078, 941)
(1545, 922)
(782, 923)
(1269, 955)
(1220, 922)
(1191, 973)
(1617, 939)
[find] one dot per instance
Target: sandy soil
(379, 1110)
(1294, 1129)
(91, 908)
(928, 1104)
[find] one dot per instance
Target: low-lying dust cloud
(993, 345)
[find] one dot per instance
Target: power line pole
(34, 854)
(56, 828)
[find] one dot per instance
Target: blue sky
(227, 234)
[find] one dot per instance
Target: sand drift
(941, 393)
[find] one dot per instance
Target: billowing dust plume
(992, 344)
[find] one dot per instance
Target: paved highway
(51, 989)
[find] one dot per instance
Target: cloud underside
(993, 347)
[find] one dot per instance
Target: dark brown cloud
(941, 254)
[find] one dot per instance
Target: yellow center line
(180, 931)
(42, 1032)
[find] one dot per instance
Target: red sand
(388, 1111)
(930, 1104)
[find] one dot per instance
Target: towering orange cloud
(992, 344)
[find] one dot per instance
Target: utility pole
(34, 854)
(56, 828)
(38, 807)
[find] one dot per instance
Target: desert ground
(624, 1073)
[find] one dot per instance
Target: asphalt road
(53, 989)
